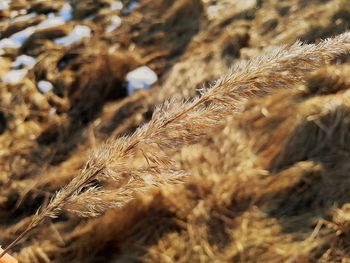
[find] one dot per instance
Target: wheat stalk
(177, 123)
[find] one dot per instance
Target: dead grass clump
(330, 79)
(45, 7)
(302, 131)
(218, 56)
(162, 29)
(243, 212)
(100, 79)
(271, 26)
(86, 8)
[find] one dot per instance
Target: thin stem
(37, 221)
(19, 238)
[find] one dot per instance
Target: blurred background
(75, 73)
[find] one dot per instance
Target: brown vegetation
(264, 169)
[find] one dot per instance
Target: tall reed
(177, 123)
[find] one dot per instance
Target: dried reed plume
(178, 123)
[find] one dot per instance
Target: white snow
(16, 40)
(115, 23)
(22, 12)
(133, 4)
(140, 78)
(21, 36)
(212, 11)
(13, 13)
(45, 86)
(14, 76)
(116, 5)
(66, 12)
(52, 111)
(51, 21)
(24, 60)
(8, 43)
(4, 4)
(79, 32)
(64, 15)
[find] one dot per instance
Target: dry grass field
(239, 152)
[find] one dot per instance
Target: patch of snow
(52, 111)
(21, 36)
(79, 32)
(66, 12)
(116, 5)
(24, 60)
(4, 4)
(13, 14)
(23, 18)
(16, 40)
(140, 78)
(133, 4)
(115, 23)
(14, 76)
(212, 11)
(51, 21)
(51, 15)
(45, 86)
(8, 43)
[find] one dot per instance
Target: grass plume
(178, 123)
